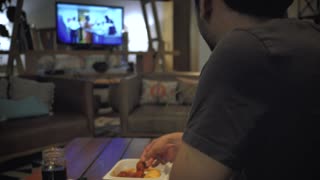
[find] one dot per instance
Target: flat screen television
(89, 25)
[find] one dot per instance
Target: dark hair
(259, 8)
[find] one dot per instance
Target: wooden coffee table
(94, 157)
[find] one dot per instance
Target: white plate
(131, 163)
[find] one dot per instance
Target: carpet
(107, 126)
(19, 168)
(106, 121)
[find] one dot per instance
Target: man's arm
(190, 163)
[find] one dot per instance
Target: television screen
(88, 24)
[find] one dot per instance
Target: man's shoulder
(239, 45)
(280, 37)
(286, 35)
(238, 52)
(284, 27)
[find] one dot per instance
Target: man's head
(258, 8)
(219, 13)
(261, 8)
(87, 17)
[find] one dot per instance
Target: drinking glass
(53, 164)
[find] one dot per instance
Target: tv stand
(93, 47)
(86, 47)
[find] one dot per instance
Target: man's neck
(233, 21)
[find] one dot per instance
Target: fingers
(167, 154)
(159, 151)
(155, 163)
(149, 162)
(144, 156)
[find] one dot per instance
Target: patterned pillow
(187, 90)
(21, 88)
(154, 92)
(3, 88)
(149, 92)
(167, 92)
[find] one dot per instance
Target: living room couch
(73, 111)
(150, 119)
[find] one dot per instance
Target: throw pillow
(154, 92)
(149, 92)
(26, 107)
(167, 92)
(187, 90)
(3, 88)
(21, 88)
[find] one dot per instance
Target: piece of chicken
(140, 167)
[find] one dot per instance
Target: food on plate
(147, 173)
(141, 171)
(140, 166)
(152, 173)
(131, 173)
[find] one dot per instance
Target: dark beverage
(54, 173)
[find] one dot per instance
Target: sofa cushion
(41, 131)
(158, 119)
(187, 90)
(26, 107)
(21, 88)
(3, 88)
(34, 124)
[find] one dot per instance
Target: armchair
(149, 120)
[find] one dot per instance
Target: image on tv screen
(89, 24)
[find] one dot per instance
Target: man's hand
(162, 150)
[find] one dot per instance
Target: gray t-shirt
(257, 106)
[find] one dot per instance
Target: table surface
(94, 157)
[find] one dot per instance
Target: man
(74, 26)
(256, 109)
(87, 29)
(110, 25)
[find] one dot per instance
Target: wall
(194, 38)
(200, 51)
(293, 10)
(41, 13)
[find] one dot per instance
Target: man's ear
(205, 7)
